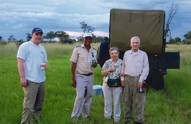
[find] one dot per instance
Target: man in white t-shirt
(32, 63)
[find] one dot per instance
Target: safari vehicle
(149, 25)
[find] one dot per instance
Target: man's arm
(21, 72)
(73, 69)
(123, 65)
(145, 70)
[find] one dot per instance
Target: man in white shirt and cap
(83, 62)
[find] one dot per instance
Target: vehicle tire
(103, 53)
(157, 82)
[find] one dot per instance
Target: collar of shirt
(134, 53)
(82, 45)
(116, 64)
(91, 48)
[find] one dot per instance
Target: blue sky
(19, 17)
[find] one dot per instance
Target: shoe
(138, 122)
(128, 120)
(116, 122)
(33, 122)
(74, 118)
(108, 118)
(88, 118)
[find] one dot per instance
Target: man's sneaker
(116, 122)
(88, 118)
(108, 117)
(74, 118)
(138, 122)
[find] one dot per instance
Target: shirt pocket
(138, 62)
(82, 58)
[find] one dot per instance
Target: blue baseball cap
(37, 30)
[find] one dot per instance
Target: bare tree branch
(173, 9)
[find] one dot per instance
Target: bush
(19, 42)
(3, 42)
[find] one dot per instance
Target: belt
(129, 76)
(87, 74)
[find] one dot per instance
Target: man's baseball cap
(37, 30)
(87, 35)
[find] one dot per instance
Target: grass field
(168, 106)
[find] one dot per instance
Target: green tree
(28, 37)
(175, 40)
(185, 41)
(1, 41)
(19, 42)
(86, 27)
(188, 35)
(99, 39)
(50, 35)
(172, 41)
(178, 40)
(11, 38)
(63, 36)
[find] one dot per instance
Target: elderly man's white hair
(135, 37)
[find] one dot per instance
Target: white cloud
(97, 33)
(67, 14)
(19, 26)
(24, 8)
(59, 2)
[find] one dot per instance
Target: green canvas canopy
(148, 25)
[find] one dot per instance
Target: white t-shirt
(33, 55)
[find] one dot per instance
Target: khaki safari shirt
(83, 59)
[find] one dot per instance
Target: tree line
(177, 40)
(65, 38)
(61, 36)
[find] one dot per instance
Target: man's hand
(140, 84)
(94, 65)
(122, 74)
(23, 82)
(43, 66)
(123, 83)
(74, 83)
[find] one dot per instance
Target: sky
(18, 17)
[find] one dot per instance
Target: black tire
(157, 82)
(103, 53)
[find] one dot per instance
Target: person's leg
(117, 103)
(39, 100)
(80, 91)
(139, 105)
(107, 93)
(127, 97)
(88, 96)
(29, 100)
